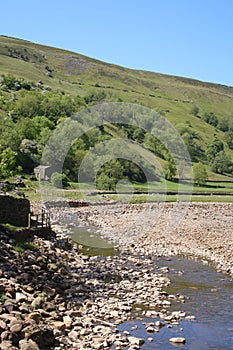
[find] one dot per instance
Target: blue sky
(191, 38)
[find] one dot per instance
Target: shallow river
(210, 299)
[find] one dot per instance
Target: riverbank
(53, 297)
(203, 230)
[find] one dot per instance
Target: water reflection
(90, 241)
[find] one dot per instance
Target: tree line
(30, 112)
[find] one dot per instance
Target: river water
(209, 297)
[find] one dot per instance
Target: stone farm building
(43, 172)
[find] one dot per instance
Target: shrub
(59, 180)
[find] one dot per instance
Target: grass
(19, 249)
(11, 227)
(20, 246)
(212, 191)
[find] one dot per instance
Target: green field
(212, 192)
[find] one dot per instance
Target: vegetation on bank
(31, 109)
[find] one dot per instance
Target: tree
(109, 174)
(59, 180)
(195, 111)
(28, 105)
(8, 81)
(213, 148)
(223, 125)
(200, 174)
(229, 139)
(27, 155)
(138, 135)
(8, 163)
(170, 169)
(221, 163)
(211, 119)
(154, 145)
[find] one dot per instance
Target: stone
(73, 335)
(190, 318)
(6, 335)
(37, 302)
(43, 336)
(19, 297)
(16, 326)
(135, 341)
(68, 321)
(36, 316)
(28, 345)
(48, 306)
(3, 326)
(178, 340)
(114, 313)
(159, 324)
(6, 345)
(59, 325)
(150, 329)
(49, 291)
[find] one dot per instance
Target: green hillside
(201, 111)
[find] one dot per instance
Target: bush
(211, 119)
(59, 180)
(199, 174)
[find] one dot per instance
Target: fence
(39, 220)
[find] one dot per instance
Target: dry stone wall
(13, 210)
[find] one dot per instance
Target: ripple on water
(210, 299)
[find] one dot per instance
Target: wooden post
(29, 220)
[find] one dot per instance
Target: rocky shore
(204, 230)
(54, 297)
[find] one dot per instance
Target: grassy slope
(77, 74)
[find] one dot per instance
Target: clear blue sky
(191, 38)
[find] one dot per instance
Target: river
(209, 297)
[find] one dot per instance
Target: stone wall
(14, 211)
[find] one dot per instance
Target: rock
(37, 302)
(49, 291)
(3, 326)
(43, 336)
(68, 321)
(178, 340)
(135, 341)
(73, 335)
(16, 326)
(36, 316)
(166, 303)
(133, 328)
(48, 306)
(159, 324)
(28, 345)
(114, 313)
(19, 297)
(190, 318)
(59, 325)
(6, 345)
(150, 329)
(6, 335)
